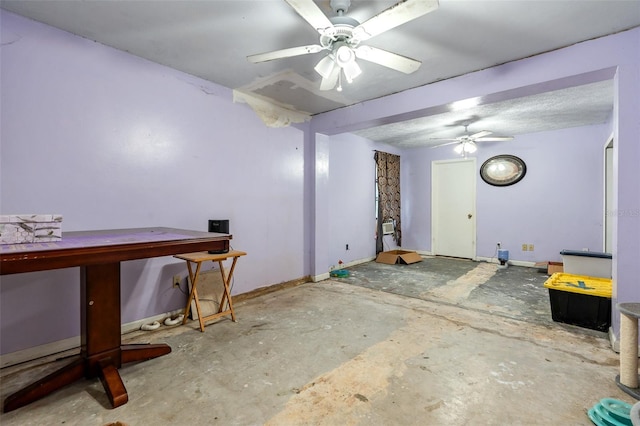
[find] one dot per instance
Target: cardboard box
(392, 257)
(30, 228)
(554, 267)
(550, 267)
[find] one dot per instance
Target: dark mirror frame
(485, 171)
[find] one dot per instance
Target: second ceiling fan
(341, 37)
(467, 143)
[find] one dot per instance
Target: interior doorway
(453, 208)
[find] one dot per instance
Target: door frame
(434, 193)
(607, 220)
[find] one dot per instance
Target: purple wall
(109, 140)
(351, 198)
(626, 182)
(558, 204)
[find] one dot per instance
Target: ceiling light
(466, 147)
(465, 104)
(325, 66)
(351, 71)
(344, 55)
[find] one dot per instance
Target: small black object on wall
(219, 226)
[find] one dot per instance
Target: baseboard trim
(71, 346)
(511, 262)
(270, 289)
(614, 341)
(321, 277)
(30, 354)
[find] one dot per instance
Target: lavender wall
(559, 203)
(109, 140)
(351, 199)
(626, 182)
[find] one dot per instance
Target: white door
(453, 208)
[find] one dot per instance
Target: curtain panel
(388, 175)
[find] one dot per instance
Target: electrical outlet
(347, 247)
(524, 247)
(176, 280)
(530, 247)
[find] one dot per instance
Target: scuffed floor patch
(343, 395)
(458, 290)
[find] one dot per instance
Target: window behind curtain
(387, 195)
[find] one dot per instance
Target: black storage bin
(580, 300)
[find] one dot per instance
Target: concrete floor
(340, 353)
(515, 292)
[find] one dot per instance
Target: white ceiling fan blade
(495, 139)
(445, 144)
(285, 53)
(311, 13)
(331, 80)
(387, 59)
(398, 14)
(478, 135)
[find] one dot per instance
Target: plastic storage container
(580, 300)
(590, 263)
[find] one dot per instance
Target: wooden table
(198, 259)
(98, 254)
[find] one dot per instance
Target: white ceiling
(212, 38)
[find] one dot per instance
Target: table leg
(193, 295)
(102, 353)
(112, 384)
(187, 309)
(226, 279)
(43, 387)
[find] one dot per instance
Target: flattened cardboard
(392, 257)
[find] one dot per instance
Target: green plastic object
(610, 412)
(339, 273)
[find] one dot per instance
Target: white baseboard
(71, 344)
(614, 341)
(511, 262)
(321, 277)
(359, 261)
(41, 351)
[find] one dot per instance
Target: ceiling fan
(341, 37)
(466, 144)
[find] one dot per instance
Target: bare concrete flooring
(340, 352)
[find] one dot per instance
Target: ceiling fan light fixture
(351, 71)
(344, 55)
(325, 66)
(466, 147)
